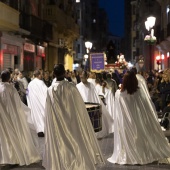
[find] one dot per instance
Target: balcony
(32, 24)
(64, 23)
(54, 14)
(9, 18)
(37, 27)
(47, 31)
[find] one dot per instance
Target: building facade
(37, 33)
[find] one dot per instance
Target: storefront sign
(29, 47)
(10, 49)
(97, 62)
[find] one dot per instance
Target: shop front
(29, 57)
(40, 57)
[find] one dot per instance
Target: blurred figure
(73, 78)
(92, 78)
(19, 87)
(77, 76)
(111, 83)
(89, 94)
(36, 98)
(47, 79)
(22, 78)
(138, 137)
(70, 139)
(17, 146)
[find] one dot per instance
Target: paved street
(106, 145)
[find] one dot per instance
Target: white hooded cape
(144, 88)
(138, 138)
(70, 142)
(89, 94)
(16, 143)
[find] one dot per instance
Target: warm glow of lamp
(168, 54)
(151, 20)
(88, 45)
(162, 56)
(86, 56)
(147, 25)
(158, 57)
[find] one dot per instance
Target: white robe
(70, 142)
(144, 88)
(89, 94)
(109, 100)
(16, 143)
(36, 98)
(92, 81)
(138, 138)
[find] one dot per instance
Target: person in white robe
(138, 137)
(70, 142)
(16, 142)
(89, 94)
(92, 78)
(36, 98)
(144, 88)
(108, 96)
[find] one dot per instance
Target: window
(78, 48)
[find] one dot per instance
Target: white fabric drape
(89, 94)
(36, 98)
(70, 142)
(138, 138)
(16, 143)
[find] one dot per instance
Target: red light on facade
(158, 57)
(162, 56)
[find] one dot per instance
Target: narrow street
(106, 145)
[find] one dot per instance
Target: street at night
(106, 145)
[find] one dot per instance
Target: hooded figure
(70, 142)
(138, 137)
(16, 143)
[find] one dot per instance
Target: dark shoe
(40, 134)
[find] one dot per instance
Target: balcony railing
(65, 23)
(54, 14)
(36, 26)
(32, 24)
(9, 18)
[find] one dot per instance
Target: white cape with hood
(16, 143)
(89, 94)
(144, 88)
(138, 137)
(70, 142)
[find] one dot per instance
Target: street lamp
(88, 46)
(150, 39)
(85, 58)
